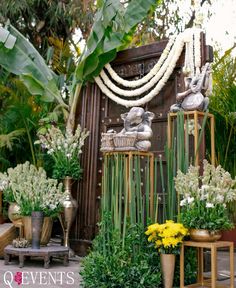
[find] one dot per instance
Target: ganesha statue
(135, 135)
(137, 123)
(195, 96)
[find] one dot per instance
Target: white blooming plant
(33, 191)
(4, 187)
(65, 149)
(204, 198)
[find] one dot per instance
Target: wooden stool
(213, 248)
(46, 253)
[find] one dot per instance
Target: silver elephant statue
(137, 123)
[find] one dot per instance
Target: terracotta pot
(168, 269)
(202, 235)
(46, 229)
(229, 235)
(14, 213)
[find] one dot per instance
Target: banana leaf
(113, 23)
(21, 58)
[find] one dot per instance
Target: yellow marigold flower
(152, 228)
(158, 243)
(168, 235)
(152, 237)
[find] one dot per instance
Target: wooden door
(98, 114)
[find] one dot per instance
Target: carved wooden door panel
(98, 114)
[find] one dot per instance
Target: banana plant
(113, 27)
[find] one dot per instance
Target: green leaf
(3, 34)
(136, 11)
(48, 92)
(24, 60)
(113, 23)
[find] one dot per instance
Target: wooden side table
(46, 253)
(213, 246)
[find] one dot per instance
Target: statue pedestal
(128, 186)
(198, 118)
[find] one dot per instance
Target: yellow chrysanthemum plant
(167, 237)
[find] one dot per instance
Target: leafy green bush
(128, 263)
(190, 267)
(114, 263)
(200, 217)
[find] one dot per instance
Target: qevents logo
(12, 280)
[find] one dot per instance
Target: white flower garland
(177, 48)
(146, 78)
(197, 50)
(163, 68)
(150, 95)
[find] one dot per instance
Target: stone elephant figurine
(138, 122)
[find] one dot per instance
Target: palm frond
(7, 140)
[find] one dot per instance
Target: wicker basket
(7, 234)
(107, 142)
(124, 142)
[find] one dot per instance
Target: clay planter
(168, 269)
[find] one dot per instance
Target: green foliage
(199, 217)
(8, 195)
(223, 106)
(113, 23)
(19, 116)
(40, 20)
(24, 60)
(108, 265)
(190, 267)
(62, 168)
(135, 265)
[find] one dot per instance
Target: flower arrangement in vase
(65, 149)
(203, 200)
(167, 238)
(34, 191)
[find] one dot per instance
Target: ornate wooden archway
(98, 114)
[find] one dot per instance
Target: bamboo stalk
(198, 139)
(151, 181)
(164, 216)
(186, 146)
(120, 157)
(147, 188)
(126, 199)
(155, 192)
(137, 181)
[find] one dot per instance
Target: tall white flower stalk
(65, 150)
(215, 186)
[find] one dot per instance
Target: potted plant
(65, 149)
(203, 201)
(167, 238)
(34, 192)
